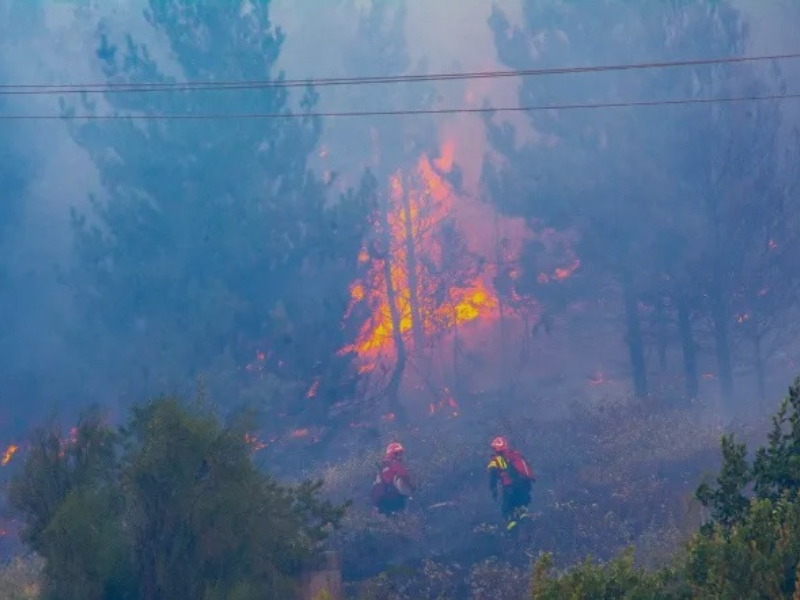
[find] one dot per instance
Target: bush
(170, 506)
(749, 549)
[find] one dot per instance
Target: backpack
(382, 489)
(518, 467)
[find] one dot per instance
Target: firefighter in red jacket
(509, 471)
(392, 486)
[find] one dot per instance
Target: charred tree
(689, 348)
(719, 318)
(393, 387)
(417, 327)
(634, 338)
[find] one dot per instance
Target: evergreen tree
(633, 183)
(170, 506)
(215, 245)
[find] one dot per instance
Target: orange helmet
(394, 449)
(499, 444)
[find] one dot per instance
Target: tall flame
(420, 292)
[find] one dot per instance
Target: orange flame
(9, 453)
(448, 403)
(255, 444)
(418, 205)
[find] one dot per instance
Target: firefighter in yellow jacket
(511, 476)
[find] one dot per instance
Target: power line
(116, 88)
(392, 113)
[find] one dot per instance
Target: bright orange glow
(418, 205)
(299, 433)
(9, 453)
(430, 267)
(357, 292)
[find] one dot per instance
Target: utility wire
(116, 88)
(392, 113)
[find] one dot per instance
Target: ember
(9, 454)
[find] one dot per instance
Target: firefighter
(511, 476)
(392, 486)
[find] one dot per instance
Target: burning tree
(421, 281)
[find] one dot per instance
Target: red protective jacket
(504, 464)
(393, 480)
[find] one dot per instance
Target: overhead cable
(399, 112)
(123, 87)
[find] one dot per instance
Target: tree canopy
(213, 245)
(171, 505)
(662, 206)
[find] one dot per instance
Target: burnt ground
(613, 471)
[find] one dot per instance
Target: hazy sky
(451, 34)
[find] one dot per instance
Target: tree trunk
(456, 374)
(499, 261)
(393, 388)
(417, 326)
(634, 339)
(721, 341)
(689, 349)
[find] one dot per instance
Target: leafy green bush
(617, 579)
(750, 548)
(170, 506)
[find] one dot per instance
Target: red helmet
(394, 449)
(499, 444)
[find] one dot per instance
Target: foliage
(772, 475)
(170, 506)
(757, 558)
(618, 579)
(726, 497)
(221, 247)
(663, 205)
(750, 549)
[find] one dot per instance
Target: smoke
(446, 35)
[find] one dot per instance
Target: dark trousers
(392, 504)
(515, 496)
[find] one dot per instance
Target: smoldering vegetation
(612, 287)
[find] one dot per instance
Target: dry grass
(610, 475)
(20, 579)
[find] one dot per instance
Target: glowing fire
(9, 454)
(420, 260)
(447, 404)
